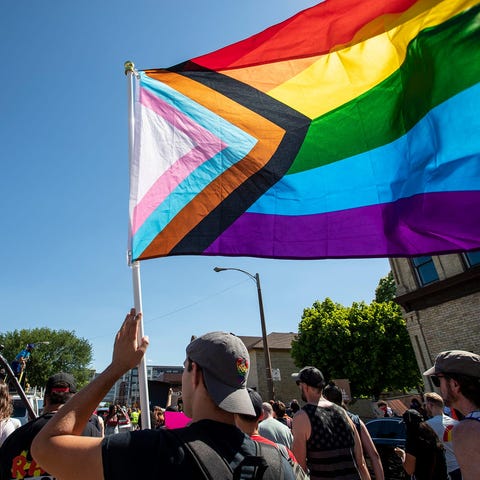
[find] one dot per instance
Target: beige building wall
(281, 362)
(443, 315)
(285, 388)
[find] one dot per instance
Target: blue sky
(64, 182)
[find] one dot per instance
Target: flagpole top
(130, 68)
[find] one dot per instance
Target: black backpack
(263, 461)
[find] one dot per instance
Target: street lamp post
(266, 351)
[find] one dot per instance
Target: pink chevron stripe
(210, 145)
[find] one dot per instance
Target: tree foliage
(386, 289)
(368, 344)
(64, 353)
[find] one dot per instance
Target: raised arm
(58, 447)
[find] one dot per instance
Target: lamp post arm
(221, 269)
(266, 350)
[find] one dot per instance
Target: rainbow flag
(448, 433)
(351, 129)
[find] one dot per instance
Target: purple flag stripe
(433, 222)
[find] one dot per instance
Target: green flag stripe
(440, 62)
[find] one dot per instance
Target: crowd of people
(233, 433)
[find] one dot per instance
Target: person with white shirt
(443, 426)
(7, 423)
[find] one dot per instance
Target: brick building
(440, 300)
(280, 345)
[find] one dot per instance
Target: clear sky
(64, 182)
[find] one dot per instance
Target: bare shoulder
(300, 416)
(301, 423)
(466, 446)
(466, 430)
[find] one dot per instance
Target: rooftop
(276, 340)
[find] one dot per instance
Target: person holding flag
(20, 362)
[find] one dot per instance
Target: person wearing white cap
(213, 390)
(457, 374)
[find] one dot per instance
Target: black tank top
(331, 444)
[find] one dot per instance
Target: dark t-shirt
(159, 454)
(92, 428)
(430, 461)
(16, 461)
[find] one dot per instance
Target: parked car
(20, 410)
(388, 433)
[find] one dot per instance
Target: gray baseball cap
(456, 361)
(225, 363)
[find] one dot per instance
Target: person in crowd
(281, 414)
(443, 425)
(214, 390)
(158, 417)
(111, 421)
(384, 408)
(16, 461)
(332, 393)
(272, 429)
(249, 425)
(7, 424)
(97, 420)
(293, 408)
(19, 363)
(457, 374)
(322, 430)
(424, 455)
(416, 404)
(134, 417)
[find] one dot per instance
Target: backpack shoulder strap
(273, 460)
(211, 465)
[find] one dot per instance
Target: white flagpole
(137, 287)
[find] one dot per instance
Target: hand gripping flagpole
(130, 72)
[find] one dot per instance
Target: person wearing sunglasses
(457, 374)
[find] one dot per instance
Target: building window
(426, 272)
(473, 258)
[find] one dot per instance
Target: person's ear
(454, 385)
(197, 375)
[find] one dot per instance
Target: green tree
(368, 344)
(64, 352)
(386, 289)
